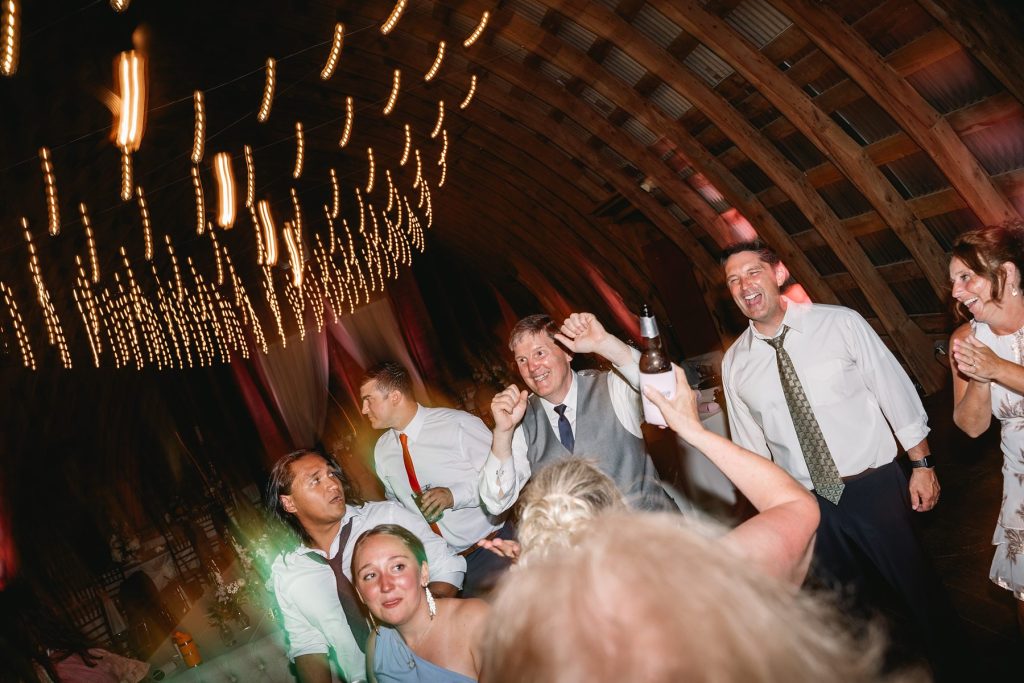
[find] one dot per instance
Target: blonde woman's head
(642, 597)
(558, 501)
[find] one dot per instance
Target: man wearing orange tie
(429, 460)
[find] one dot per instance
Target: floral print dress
(1008, 406)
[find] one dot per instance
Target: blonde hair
(642, 597)
(558, 501)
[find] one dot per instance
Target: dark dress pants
(484, 568)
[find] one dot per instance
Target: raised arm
(584, 333)
(780, 537)
(506, 468)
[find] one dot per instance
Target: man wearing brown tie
(429, 460)
(308, 491)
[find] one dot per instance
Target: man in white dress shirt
(308, 491)
(593, 415)
(841, 377)
(446, 449)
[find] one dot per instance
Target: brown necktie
(820, 465)
(346, 593)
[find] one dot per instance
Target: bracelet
(922, 463)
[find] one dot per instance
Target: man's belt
(476, 545)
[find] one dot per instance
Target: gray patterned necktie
(820, 464)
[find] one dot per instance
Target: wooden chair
(85, 610)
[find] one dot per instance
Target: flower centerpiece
(124, 546)
(227, 603)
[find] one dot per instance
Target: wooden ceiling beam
(600, 21)
(919, 120)
(610, 87)
(1001, 54)
(818, 128)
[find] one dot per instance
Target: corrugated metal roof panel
(999, 147)
(946, 227)
(855, 299)
(498, 83)
(953, 82)
(825, 260)
(915, 175)
(509, 49)
(669, 101)
(916, 297)
(598, 101)
(577, 36)
(752, 177)
(708, 65)
(463, 24)
(844, 199)
(614, 156)
(576, 129)
(867, 121)
(790, 218)
(681, 215)
(801, 151)
(640, 132)
(624, 66)
(654, 25)
(884, 247)
(758, 22)
(554, 73)
(529, 9)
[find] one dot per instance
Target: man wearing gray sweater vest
(588, 414)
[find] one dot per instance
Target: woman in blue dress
(417, 638)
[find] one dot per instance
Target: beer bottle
(655, 367)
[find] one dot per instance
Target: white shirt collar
(351, 512)
(412, 430)
(569, 401)
(796, 313)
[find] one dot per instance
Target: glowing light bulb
(419, 170)
(396, 14)
(199, 132)
(396, 81)
(226, 200)
(126, 174)
(216, 256)
(478, 31)
(119, 5)
(332, 57)
(440, 120)
(291, 240)
(436, 66)
(90, 242)
(443, 158)
(346, 133)
(469, 95)
(250, 177)
(268, 91)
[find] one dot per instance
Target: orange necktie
(410, 472)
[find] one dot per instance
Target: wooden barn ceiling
(857, 137)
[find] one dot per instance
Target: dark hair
(280, 484)
(984, 250)
(408, 538)
(763, 251)
(389, 376)
(532, 324)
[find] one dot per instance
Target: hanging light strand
(332, 57)
(371, 171)
(335, 195)
(396, 84)
(268, 91)
(346, 133)
(440, 120)
(50, 187)
(147, 228)
(436, 66)
(10, 37)
(90, 242)
(407, 147)
(226, 200)
(197, 187)
(250, 177)
(396, 14)
(469, 95)
(199, 132)
(300, 144)
(478, 31)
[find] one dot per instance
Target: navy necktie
(565, 429)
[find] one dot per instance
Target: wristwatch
(923, 462)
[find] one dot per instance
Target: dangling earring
(1014, 292)
(431, 605)
(373, 623)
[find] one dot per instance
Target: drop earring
(431, 605)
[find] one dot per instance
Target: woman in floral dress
(988, 374)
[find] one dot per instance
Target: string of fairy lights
(183, 319)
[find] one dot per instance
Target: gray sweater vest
(600, 438)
